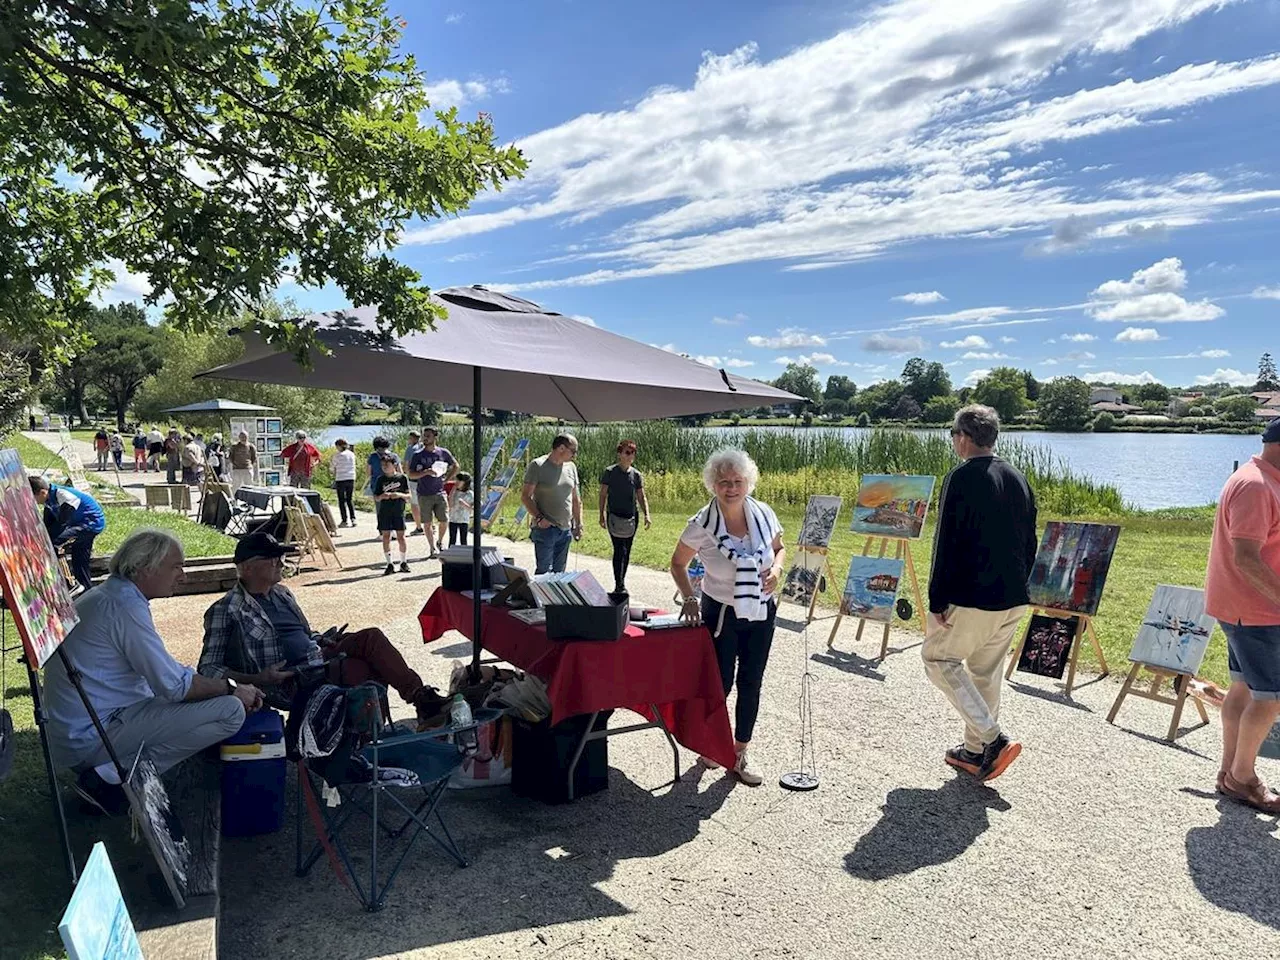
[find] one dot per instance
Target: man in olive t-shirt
(550, 495)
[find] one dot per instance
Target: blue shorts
(1253, 658)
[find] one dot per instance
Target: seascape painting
(819, 521)
(1071, 566)
(1047, 646)
(1175, 632)
(890, 505)
(490, 505)
(871, 589)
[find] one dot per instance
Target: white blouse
(718, 584)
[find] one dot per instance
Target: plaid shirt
(239, 637)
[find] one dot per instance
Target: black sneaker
(98, 796)
(965, 760)
(996, 757)
(391, 568)
(404, 567)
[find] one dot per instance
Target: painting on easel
(1071, 566)
(819, 521)
(890, 505)
(32, 579)
(1175, 632)
(871, 589)
(1047, 647)
(802, 579)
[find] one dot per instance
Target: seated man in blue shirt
(143, 696)
(74, 520)
(258, 634)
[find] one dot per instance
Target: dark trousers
(370, 655)
(457, 534)
(621, 560)
(79, 544)
(346, 503)
(742, 646)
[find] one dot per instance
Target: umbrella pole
(475, 524)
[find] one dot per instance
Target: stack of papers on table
(532, 617)
(489, 556)
(576, 588)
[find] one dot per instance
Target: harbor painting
(871, 589)
(892, 505)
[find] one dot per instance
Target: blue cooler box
(253, 767)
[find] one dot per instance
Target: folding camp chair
(427, 755)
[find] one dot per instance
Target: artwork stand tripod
(901, 551)
(1085, 625)
(1181, 691)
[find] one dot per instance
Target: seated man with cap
(258, 634)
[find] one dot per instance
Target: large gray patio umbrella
(219, 405)
(525, 359)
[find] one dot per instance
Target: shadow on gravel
(850, 663)
(1053, 696)
(1165, 743)
(1235, 862)
(462, 649)
(923, 828)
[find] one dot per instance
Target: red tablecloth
(675, 669)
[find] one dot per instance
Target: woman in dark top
(391, 492)
(621, 490)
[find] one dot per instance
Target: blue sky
(1083, 187)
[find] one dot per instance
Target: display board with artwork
(1171, 643)
(810, 570)
(1046, 647)
(1071, 566)
(892, 505)
(511, 478)
(34, 587)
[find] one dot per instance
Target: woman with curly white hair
(739, 541)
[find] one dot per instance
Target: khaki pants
(966, 660)
(171, 732)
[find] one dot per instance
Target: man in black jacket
(983, 550)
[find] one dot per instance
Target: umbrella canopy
(510, 354)
(534, 361)
(218, 405)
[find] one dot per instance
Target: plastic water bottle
(696, 574)
(460, 716)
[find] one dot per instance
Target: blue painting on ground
(96, 924)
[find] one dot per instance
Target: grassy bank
(1162, 547)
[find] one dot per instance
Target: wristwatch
(231, 687)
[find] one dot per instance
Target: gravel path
(1099, 841)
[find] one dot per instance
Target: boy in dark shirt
(391, 491)
(983, 550)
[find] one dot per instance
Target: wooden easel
(901, 551)
(1085, 625)
(1181, 691)
(298, 531)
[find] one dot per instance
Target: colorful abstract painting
(1071, 566)
(871, 589)
(1047, 646)
(32, 579)
(819, 521)
(1175, 632)
(889, 505)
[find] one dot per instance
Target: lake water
(1151, 470)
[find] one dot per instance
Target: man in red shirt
(301, 458)
(1242, 590)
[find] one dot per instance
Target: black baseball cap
(261, 545)
(1272, 433)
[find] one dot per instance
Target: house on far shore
(1104, 395)
(1118, 409)
(1269, 406)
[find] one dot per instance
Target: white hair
(729, 460)
(300, 435)
(143, 551)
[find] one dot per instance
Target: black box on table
(541, 754)
(571, 622)
(457, 576)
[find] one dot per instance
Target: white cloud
(1138, 335)
(1229, 375)
(813, 360)
(1266, 293)
(788, 339)
(1151, 294)
(737, 363)
(974, 376)
(921, 121)
(736, 320)
(444, 94)
(582, 319)
(455, 18)
(932, 296)
(1126, 379)
(1080, 355)
(972, 342)
(127, 287)
(1215, 354)
(883, 343)
(984, 355)
(1008, 340)
(1078, 337)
